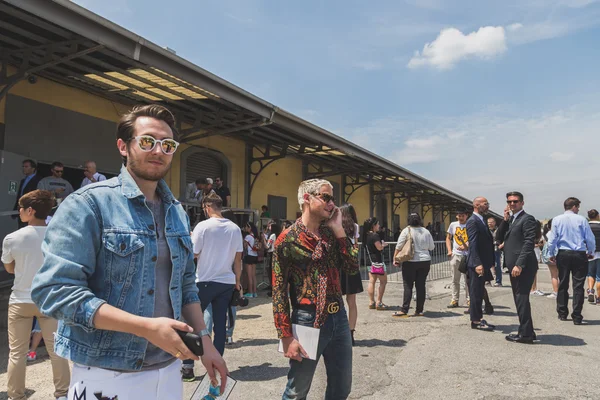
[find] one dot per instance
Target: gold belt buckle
(333, 308)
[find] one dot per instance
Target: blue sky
(481, 97)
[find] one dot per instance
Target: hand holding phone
(193, 342)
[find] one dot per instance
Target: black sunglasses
(512, 201)
(326, 197)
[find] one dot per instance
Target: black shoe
(578, 322)
(519, 339)
(488, 310)
(562, 318)
(483, 326)
(187, 374)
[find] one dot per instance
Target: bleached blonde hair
(311, 186)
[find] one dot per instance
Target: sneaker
(591, 297)
(453, 304)
(552, 295)
(597, 300)
(255, 295)
(538, 293)
(187, 374)
(229, 341)
(497, 284)
(249, 295)
(31, 356)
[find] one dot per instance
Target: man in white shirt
(218, 246)
(457, 246)
(91, 174)
(22, 256)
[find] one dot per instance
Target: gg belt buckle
(333, 308)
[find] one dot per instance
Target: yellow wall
(360, 201)
(280, 178)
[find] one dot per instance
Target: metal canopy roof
(66, 43)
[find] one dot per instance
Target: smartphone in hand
(193, 342)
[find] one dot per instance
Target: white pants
(89, 383)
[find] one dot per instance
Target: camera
(237, 299)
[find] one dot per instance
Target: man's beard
(145, 174)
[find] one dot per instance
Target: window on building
(277, 207)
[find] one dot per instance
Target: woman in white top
(415, 271)
(275, 230)
(252, 245)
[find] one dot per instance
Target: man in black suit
(479, 261)
(517, 232)
(28, 184)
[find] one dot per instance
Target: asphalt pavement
(433, 357)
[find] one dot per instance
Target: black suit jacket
(519, 241)
(30, 187)
(481, 244)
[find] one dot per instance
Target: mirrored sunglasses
(147, 143)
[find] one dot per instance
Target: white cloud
(452, 46)
(560, 156)
(514, 27)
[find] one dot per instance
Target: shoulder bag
(376, 267)
(407, 252)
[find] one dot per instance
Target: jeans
(208, 320)
(576, 263)
(219, 296)
(498, 266)
(414, 273)
(335, 345)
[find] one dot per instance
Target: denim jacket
(101, 247)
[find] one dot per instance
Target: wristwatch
(204, 332)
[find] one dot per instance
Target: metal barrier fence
(440, 263)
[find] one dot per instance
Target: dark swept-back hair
(369, 224)
(41, 201)
(414, 220)
(518, 194)
(593, 213)
(571, 202)
(349, 219)
(126, 126)
(31, 162)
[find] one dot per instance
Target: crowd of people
(118, 283)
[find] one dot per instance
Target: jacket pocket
(123, 252)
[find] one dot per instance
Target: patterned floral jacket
(306, 271)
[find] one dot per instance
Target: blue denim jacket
(101, 247)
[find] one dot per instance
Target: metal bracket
(350, 184)
(70, 49)
(256, 165)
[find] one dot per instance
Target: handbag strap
(368, 253)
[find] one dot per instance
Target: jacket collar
(131, 190)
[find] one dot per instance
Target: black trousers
(486, 297)
(414, 273)
(576, 263)
(521, 288)
(477, 293)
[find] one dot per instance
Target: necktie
(512, 219)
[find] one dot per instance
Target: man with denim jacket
(118, 274)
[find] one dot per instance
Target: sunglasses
(147, 143)
(59, 171)
(326, 197)
(513, 201)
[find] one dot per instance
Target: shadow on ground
(253, 342)
(377, 342)
(28, 393)
(256, 373)
(247, 316)
(560, 340)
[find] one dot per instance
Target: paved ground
(434, 357)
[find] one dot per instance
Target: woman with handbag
(416, 268)
(351, 284)
(374, 248)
